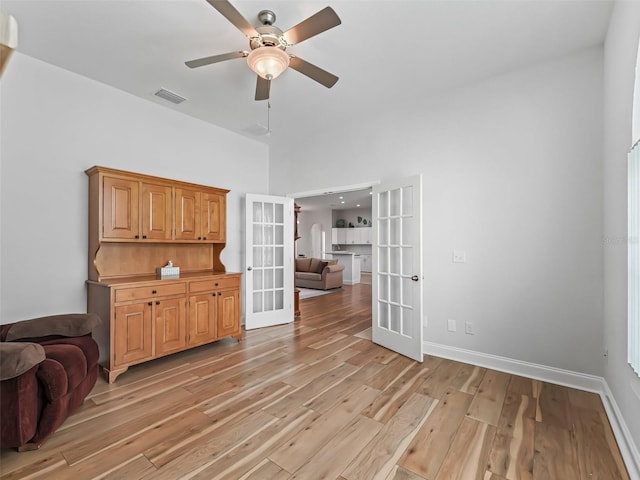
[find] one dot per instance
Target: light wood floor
(317, 400)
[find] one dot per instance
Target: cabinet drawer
(214, 284)
(136, 293)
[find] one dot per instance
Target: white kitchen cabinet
(351, 236)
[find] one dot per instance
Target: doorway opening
(335, 223)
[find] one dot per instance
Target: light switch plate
(459, 256)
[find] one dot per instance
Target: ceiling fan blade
(315, 24)
(315, 73)
(263, 88)
(199, 62)
(229, 12)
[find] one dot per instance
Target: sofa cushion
(316, 277)
(67, 325)
(321, 266)
(315, 263)
(302, 264)
(18, 357)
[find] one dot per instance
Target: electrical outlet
(468, 328)
(451, 325)
(459, 256)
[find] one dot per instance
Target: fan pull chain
(268, 117)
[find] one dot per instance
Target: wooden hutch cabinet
(137, 223)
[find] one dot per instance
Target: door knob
(249, 268)
(415, 278)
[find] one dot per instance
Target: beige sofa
(319, 274)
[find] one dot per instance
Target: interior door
(397, 266)
(269, 261)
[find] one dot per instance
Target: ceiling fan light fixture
(268, 62)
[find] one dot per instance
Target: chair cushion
(67, 325)
(18, 357)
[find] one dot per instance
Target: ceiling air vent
(169, 96)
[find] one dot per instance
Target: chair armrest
(334, 267)
(17, 358)
(66, 325)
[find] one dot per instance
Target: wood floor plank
(430, 445)
(392, 371)
(439, 378)
(555, 453)
(310, 372)
(310, 391)
(392, 398)
(512, 452)
(469, 453)
(373, 353)
(303, 446)
(201, 452)
(554, 407)
(378, 459)
(335, 455)
(246, 455)
(266, 470)
(468, 378)
(487, 403)
(594, 457)
(399, 473)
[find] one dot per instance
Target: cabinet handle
(213, 294)
(204, 238)
(216, 284)
(199, 238)
(137, 236)
(157, 302)
(144, 236)
(219, 293)
(154, 291)
(150, 303)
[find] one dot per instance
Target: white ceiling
(388, 54)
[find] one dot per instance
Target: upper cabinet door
(157, 212)
(213, 208)
(188, 214)
(120, 209)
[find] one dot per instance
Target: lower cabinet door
(171, 325)
(133, 340)
(228, 313)
(202, 318)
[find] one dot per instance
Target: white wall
(307, 218)
(512, 175)
(621, 53)
(56, 124)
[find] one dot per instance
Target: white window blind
(634, 257)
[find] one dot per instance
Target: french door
(269, 261)
(397, 266)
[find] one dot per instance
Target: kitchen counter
(351, 262)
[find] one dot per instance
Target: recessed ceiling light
(357, 205)
(342, 201)
(370, 193)
(340, 197)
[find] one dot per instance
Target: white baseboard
(558, 376)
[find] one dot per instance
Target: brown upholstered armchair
(48, 366)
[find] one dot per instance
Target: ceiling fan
(268, 57)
